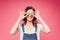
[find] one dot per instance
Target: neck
(29, 23)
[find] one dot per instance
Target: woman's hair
(29, 7)
(34, 19)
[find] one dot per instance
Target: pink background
(49, 11)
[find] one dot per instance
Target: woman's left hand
(37, 15)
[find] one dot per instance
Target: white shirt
(39, 27)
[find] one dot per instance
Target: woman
(31, 26)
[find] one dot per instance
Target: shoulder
(39, 26)
(19, 26)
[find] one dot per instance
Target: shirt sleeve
(39, 27)
(20, 28)
(19, 25)
(21, 32)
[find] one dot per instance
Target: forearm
(14, 28)
(45, 26)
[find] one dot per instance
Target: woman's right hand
(22, 15)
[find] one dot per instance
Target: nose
(30, 15)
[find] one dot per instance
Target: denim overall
(29, 36)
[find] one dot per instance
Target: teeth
(30, 17)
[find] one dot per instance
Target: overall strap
(24, 30)
(35, 27)
(23, 27)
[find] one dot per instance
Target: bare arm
(15, 27)
(45, 28)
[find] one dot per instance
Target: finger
(21, 13)
(26, 15)
(33, 15)
(37, 11)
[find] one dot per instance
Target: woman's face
(30, 14)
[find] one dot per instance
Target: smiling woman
(30, 12)
(30, 29)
